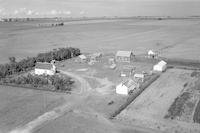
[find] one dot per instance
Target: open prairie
(173, 38)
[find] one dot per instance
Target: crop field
(173, 38)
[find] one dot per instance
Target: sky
(98, 8)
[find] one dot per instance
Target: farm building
(127, 71)
(45, 68)
(160, 67)
(124, 56)
(139, 77)
(81, 59)
(96, 56)
(126, 87)
(152, 54)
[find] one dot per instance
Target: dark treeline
(61, 83)
(26, 64)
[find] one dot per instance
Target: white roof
(137, 75)
(162, 63)
(150, 52)
(82, 56)
(124, 53)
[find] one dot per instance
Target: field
(173, 38)
(151, 107)
(19, 106)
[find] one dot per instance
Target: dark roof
(44, 65)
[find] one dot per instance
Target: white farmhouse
(160, 67)
(125, 87)
(45, 68)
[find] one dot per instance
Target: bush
(61, 83)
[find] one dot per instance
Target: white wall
(122, 89)
(44, 71)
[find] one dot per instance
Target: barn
(125, 87)
(160, 67)
(124, 56)
(45, 68)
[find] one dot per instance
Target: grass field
(19, 106)
(173, 38)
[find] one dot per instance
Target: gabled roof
(82, 56)
(130, 83)
(150, 52)
(124, 53)
(44, 65)
(138, 75)
(162, 63)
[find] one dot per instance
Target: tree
(12, 59)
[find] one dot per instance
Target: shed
(152, 54)
(45, 68)
(96, 56)
(139, 77)
(126, 87)
(124, 56)
(127, 71)
(160, 66)
(81, 58)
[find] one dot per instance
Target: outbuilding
(81, 58)
(124, 56)
(126, 87)
(160, 66)
(139, 77)
(45, 68)
(96, 57)
(152, 54)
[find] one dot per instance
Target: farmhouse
(124, 56)
(81, 59)
(45, 68)
(160, 67)
(126, 87)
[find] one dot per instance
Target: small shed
(139, 77)
(81, 58)
(152, 54)
(160, 66)
(126, 87)
(124, 56)
(96, 56)
(127, 71)
(45, 68)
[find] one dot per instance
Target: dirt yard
(153, 104)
